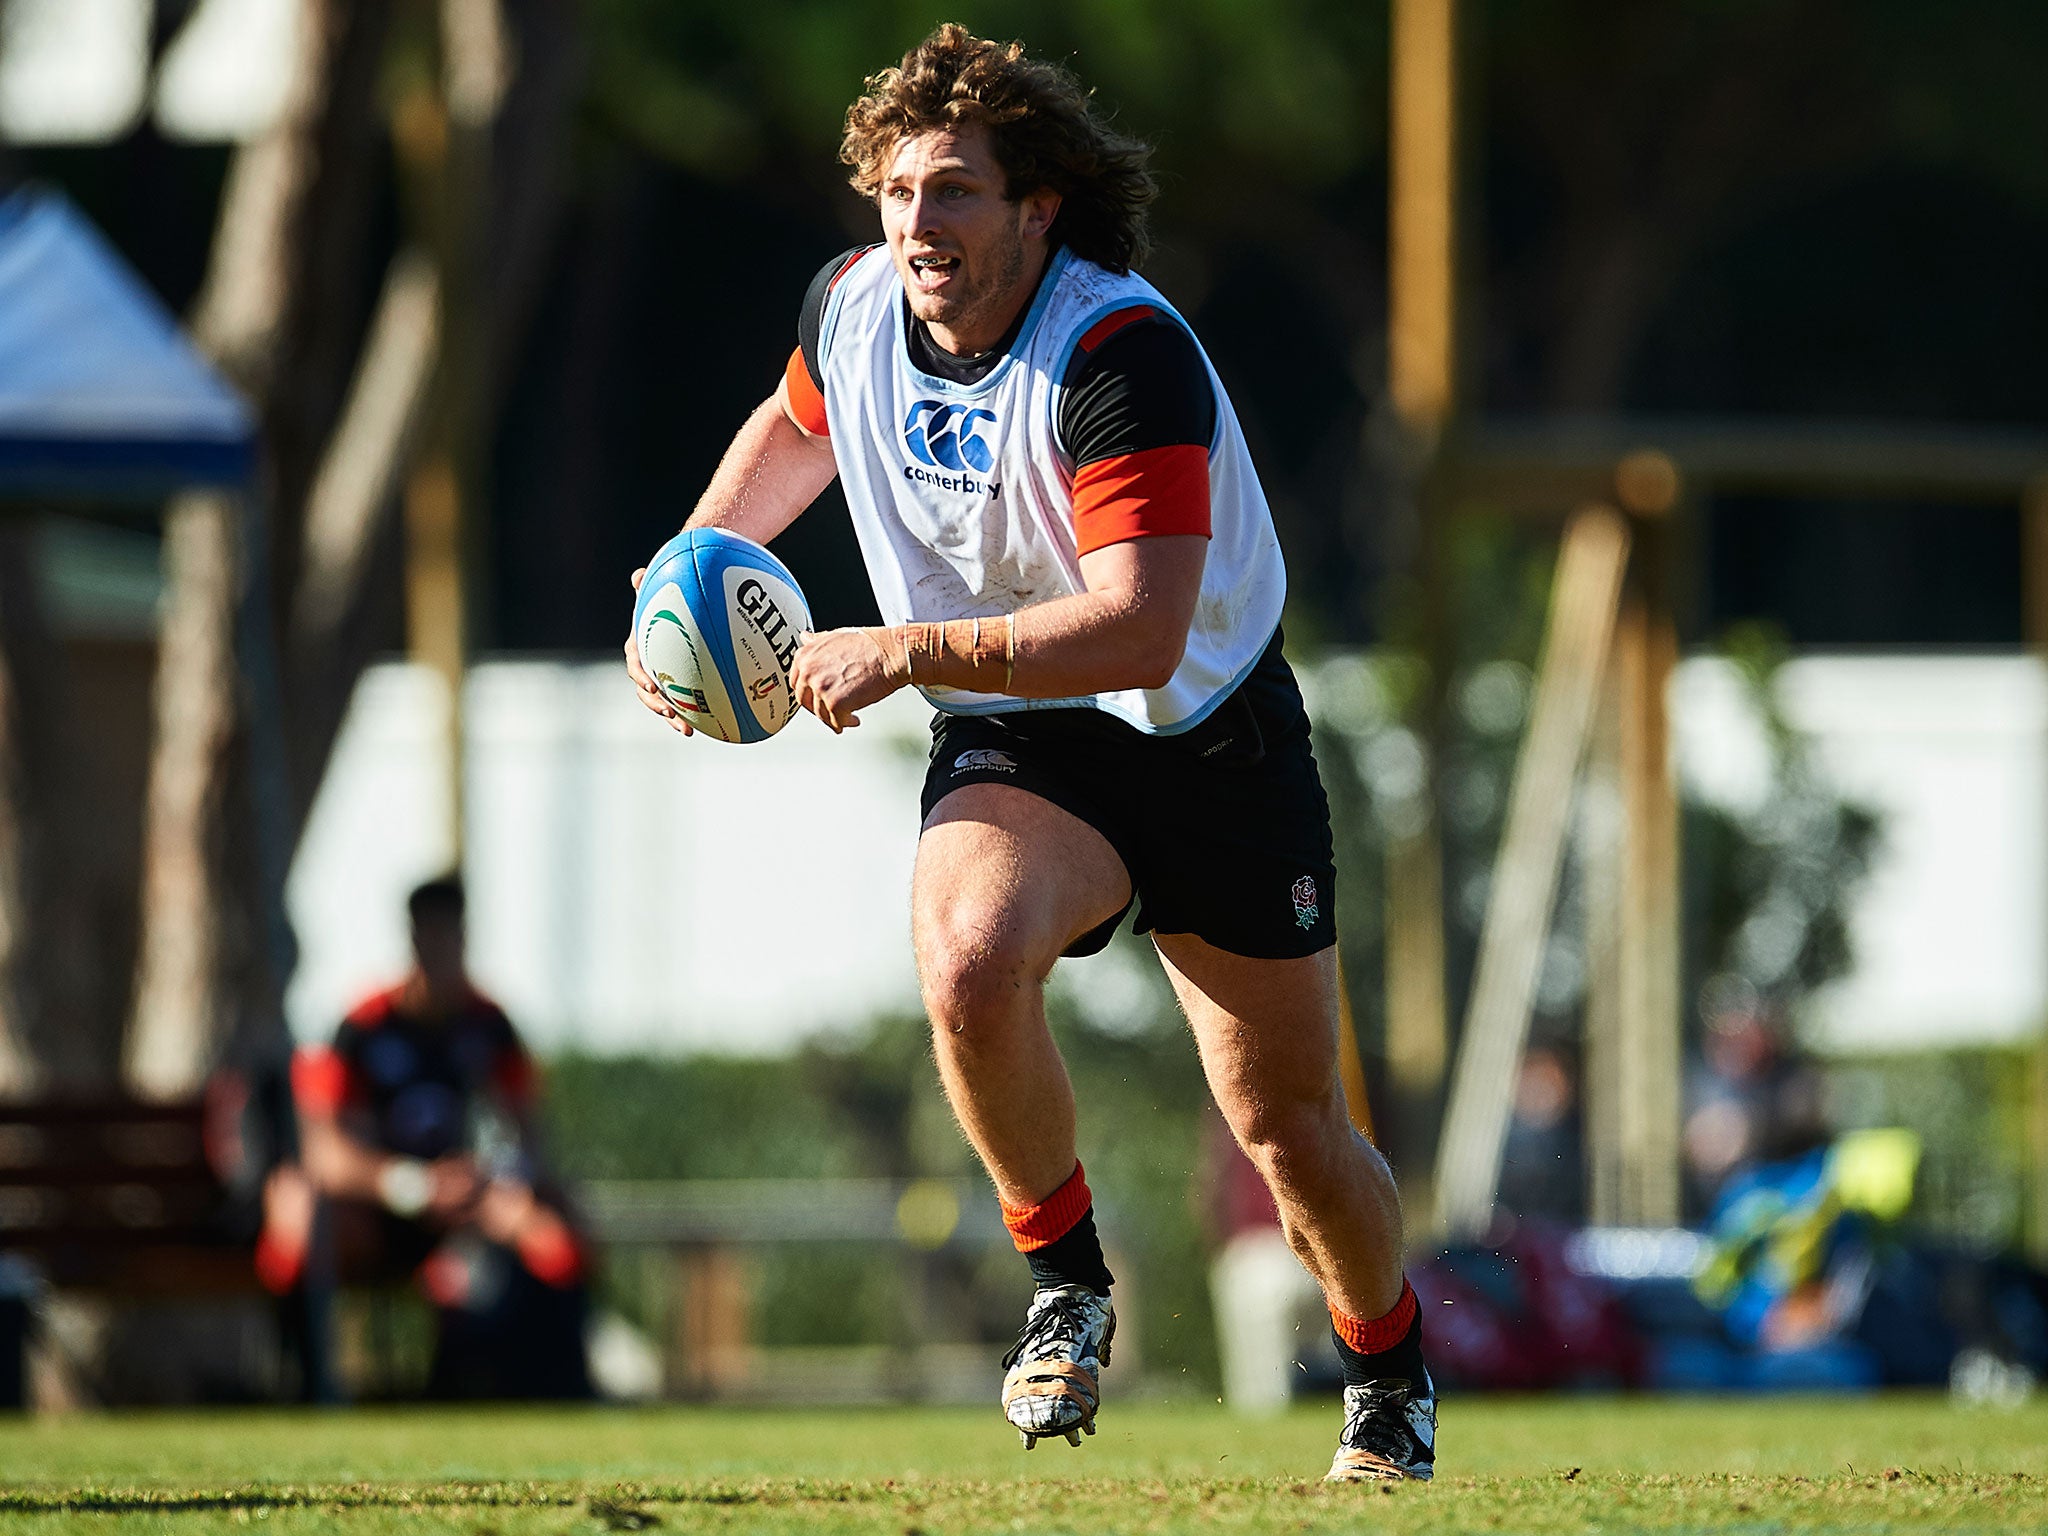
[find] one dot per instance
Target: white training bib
(962, 497)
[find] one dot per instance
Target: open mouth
(931, 271)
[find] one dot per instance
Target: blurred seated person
(418, 1158)
(1753, 1099)
(1543, 1166)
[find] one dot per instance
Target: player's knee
(1297, 1146)
(972, 970)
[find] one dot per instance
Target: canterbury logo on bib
(946, 436)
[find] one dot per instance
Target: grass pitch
(1894, 1464)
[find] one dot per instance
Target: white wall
(1951, 932)
(628, 888)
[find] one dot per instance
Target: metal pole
(1422, 224)
(1583, 600)
(1647, 1064)
(435, 620)
(1422, 389)
(445, 506)
(2034, 533)
(1602, 848)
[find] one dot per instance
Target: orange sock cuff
(1376, 1335)
(279, 1265)
(1036, 1226)
(552, 1256)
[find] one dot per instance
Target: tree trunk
(20, 1071)
(341, 395)
(191, 934)
(294, 220)
(63, 1025)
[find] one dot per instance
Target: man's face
(437, 945)
(968, 256)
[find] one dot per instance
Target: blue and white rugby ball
(717, 621)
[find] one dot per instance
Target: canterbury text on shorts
(1224, 830)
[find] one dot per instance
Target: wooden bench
(115, 1194)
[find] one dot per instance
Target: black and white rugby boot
(1054, 1383)
(1389, 1432)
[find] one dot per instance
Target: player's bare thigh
(1267, 1032)
(1267, 1029)
(1007, 879)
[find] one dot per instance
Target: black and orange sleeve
(806, 400)
(1137, 417)
(804, 374)
(1133, 495)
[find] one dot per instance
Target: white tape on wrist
(404, 1185)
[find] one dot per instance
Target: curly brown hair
(1042, 125)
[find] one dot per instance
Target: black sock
(1072, 1259)
(1399, 1362)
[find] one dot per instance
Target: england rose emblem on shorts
(1305, 909)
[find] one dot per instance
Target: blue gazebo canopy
(101, 394)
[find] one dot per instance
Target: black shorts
(1224, 829)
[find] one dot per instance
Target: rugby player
(1077, 566)
(419, 1155)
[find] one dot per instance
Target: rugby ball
(717, 621)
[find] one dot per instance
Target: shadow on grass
(620, 1509)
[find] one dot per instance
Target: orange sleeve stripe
(320, 1080)
(806, 402)
(1137, 495)
(1035, 1226)
(1109, 325)
(376, 1009)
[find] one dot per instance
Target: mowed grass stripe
(1905, 1464)
(1942, 1503)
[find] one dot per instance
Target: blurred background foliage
(1970, 1110)
(1806, 207)
(868, 1105)
(1719, 206)
(1768, 885)
(1145, 1133)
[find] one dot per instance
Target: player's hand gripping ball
(716, 624)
